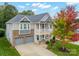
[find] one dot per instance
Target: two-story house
(33, 28)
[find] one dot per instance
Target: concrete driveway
(32, 49)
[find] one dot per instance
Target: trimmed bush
(2, 32)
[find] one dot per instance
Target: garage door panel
(24, 41)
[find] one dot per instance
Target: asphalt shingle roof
(32, 18)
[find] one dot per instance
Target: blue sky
(42, 7)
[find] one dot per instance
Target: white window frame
(42, 26)
(22, 28)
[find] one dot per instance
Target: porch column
(48, 27)
(49, 30)
(35, 40)
(44, 27)
(44, 30)
(34, 30)
(39, 31)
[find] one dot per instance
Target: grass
(6, 49)
(74, 49)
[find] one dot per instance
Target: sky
(42, 7)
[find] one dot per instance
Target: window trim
(22, 28)
(22, 25)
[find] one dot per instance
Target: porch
(44, 28)
(41, 38)
(42, 32)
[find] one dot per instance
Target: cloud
(40, 5)
(22, 7)
(54, 10)
(44, 6)
(72, 3)
(35, 4)
(56, 7)
(34, 10)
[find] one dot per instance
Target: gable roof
(32, 18)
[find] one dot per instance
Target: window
(24, 26)
(46, 26)
(28, 26)
(42, 26)
(42, 36)
(20, 26)
(37, 37)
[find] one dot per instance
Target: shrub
(47, 42)
(2, 32)
(49, 45)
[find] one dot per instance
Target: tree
(28, 12)
(71, 14)
(60, 30)
(7, 12)
(1, 16)
(63, 24)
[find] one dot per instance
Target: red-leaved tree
(64, 25)
(69, 15)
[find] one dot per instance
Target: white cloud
(54, 10)
(34, 10)
(40, 5)
(35, 4)
(21, 6)
(72, 3)
(56, 7)
(44, 6)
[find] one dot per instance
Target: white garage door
(24, 41)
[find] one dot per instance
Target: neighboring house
(28, 29)
(76, 26)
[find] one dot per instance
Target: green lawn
(74, 49)
(6, 49)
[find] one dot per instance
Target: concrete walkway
(32, 49)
